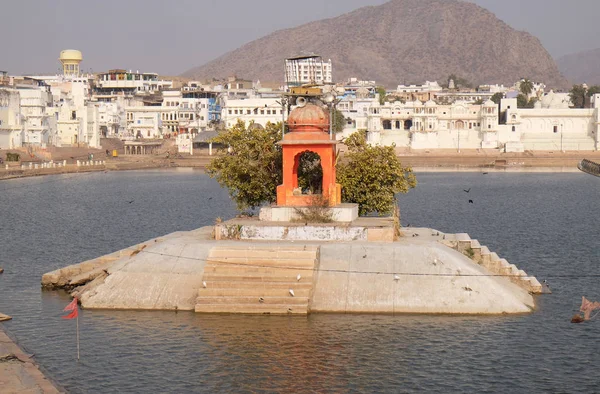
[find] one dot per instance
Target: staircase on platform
(258, 279)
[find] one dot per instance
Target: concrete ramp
(267, 279)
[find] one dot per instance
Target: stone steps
(285, 252)
(263, 291)
(237, 273)
(257, 280)
(225, 284)
(493, 263)
(266, 262)
(263, 309)
(207, 300)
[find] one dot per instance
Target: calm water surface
(546, 224)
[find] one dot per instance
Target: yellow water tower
(70, 59)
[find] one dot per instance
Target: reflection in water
(522, 217)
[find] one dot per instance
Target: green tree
(371, 176)
(522, 101)
(592, 90)
(251, 168)
(526, 87)
(497, 97)
(339, 121)
(577, 95)
(381, 91)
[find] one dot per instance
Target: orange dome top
(311, 117)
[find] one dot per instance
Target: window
(229, 112)
(489, 126)
(248, 112)
(262, 111)
(556, 129)
(514, 128)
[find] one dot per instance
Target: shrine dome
(311, 117)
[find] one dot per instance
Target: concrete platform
(424, 271)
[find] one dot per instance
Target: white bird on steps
(298, 277)
(204, 284)
(292, 293)
(396, 277)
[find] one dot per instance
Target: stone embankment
(424, 271)
(422, 161)
(18, 372)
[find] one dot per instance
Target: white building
(143, 122)
(550, 126)
(258, 110)
(426, 87)
(11, 127)
(308, 70)
(130, 82)
(36, 108)
(111, 118)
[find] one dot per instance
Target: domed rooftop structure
(70, 59)
(310, 117)
(489, 103)
(430, 103)
(71, 54)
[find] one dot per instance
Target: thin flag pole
(77, 337)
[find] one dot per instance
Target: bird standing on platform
(292, 293)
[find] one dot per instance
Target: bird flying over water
(130, 201)
(470, 201)
(466, 191)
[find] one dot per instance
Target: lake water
(546, 224)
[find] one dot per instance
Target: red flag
(72, 305)
(73, 308)
(72, 315)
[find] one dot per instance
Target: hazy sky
(172, 36)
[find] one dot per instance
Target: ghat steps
(258, 280)
(493, 263)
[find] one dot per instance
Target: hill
(400, 41)
(581, 67)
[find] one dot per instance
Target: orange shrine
(309, 132)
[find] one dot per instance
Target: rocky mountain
(401, 41)
(581, 67)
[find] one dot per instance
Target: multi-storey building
(302, 70)
(36, 108)
(116, 83)
(258, 110)
(11, 127)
